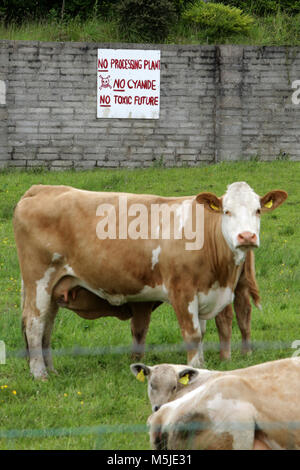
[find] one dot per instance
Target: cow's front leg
(224, 325)
(141, 314)
(242, 307)
(187, 312)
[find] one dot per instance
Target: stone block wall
(216, 103)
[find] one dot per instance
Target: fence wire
(179, 347)
(192, 428)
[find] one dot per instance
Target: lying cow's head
(164, 381)
(241, 208)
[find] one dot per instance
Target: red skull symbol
(104, 82)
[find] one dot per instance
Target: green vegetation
(98, 389)
(75, 29)
(252, 22)
(150, 21)
(216, 20)
(265, 7)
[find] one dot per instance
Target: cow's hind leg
(33, 328)
(37, 321)
(224, 325)
(46, 340)
(141, 314)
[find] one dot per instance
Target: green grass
(92, 30)
(108, 394)
(276, 30)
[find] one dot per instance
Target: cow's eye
(174, 388)
(258, 212)
(226, 212)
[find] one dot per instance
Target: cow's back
(60, 222)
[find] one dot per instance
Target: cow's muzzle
(247, 240)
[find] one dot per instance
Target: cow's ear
(188, 376)
(140, 371)
(272, 200)
(210, 201)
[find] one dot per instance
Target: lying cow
(58, 236)
(252, 408)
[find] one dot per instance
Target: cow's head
(241, 209)
(164, 381)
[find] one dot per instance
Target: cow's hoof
(136, 356)
(246, 352)
(137, 351)
(225, 357)
(197, 363)
(43, 377)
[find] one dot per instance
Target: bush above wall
(217, 20)
(264, 7)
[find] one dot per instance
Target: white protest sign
(128, 83)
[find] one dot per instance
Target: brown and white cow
(252, 408)
(74, 244)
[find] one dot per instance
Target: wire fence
(190, 430)
(157, 348)
(67, 432)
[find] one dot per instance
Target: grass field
(95, 390)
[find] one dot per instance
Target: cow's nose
(156, 407)
(247, 238)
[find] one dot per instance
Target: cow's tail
(25, 338)
(22, 294)
(251, 279)
(23, 326)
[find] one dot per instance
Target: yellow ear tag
(269, 204)
(184, 380)
(141, 376)
(215, 208)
